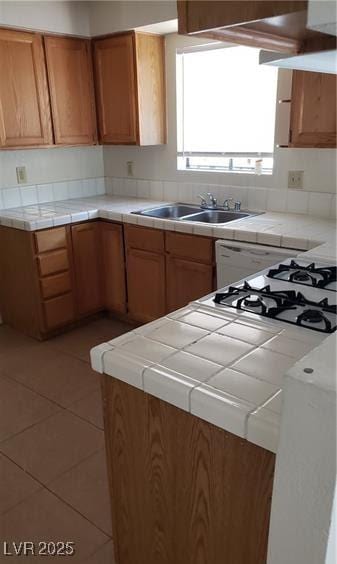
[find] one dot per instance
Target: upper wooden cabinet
(275, 25)
(69, 69)
(24, 101)
(313, 110)
(130, 88)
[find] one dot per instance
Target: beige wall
(63, 16)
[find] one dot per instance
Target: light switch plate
(295, 179)
(21, 174)
(129, 168)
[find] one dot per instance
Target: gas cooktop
(300, 293)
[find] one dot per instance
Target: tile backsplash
(319, 204)
(42, 193)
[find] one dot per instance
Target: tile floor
(53, 481)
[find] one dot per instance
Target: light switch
(21, 174)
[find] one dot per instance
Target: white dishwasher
(235, 261)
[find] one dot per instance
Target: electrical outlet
(21, 174)
(295, 179)
(129, 168)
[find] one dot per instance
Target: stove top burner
(310, 275)
(289, 306)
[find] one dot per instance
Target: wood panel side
(183, 491)
(19, 295)
(150, 53)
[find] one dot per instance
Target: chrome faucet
(208, 201)
(230, 205)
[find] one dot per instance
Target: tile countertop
(227, 370)
(295, 231)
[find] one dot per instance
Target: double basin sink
(183, 212)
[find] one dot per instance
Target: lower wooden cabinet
(146, 284)
(186, 280)
(113, 264)
(166, 270)
(87, 267)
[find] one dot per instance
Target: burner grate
(309, 275)
(274, 304)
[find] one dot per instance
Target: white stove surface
(261, 280)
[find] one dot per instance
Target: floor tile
(90, 408)
(53, 446)
(45, 517)
(79, 341)
(16, 485)
(20, 408)
(53, 374)
(12, 340)
(85, 488)
(104, 555)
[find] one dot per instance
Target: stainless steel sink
(185, 212)
(217, 216)
(174, 211)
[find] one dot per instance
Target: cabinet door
(313, 110)
(146, 284)
(115, 79)
(113, 267)
(24, 100)
(186, 281)
(87, 266)
(71, 90)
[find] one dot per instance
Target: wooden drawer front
(192, 247)
(51, 239)
(144, 238)
(55, 285)
(50, 263)
(59, 311)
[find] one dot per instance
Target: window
(226, 106)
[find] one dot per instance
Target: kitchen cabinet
(69, 69)
(146, 285)
(182, 490)
(166, 270)
(130, 89)
(186, 280)
(313, 110)
(87, 267)
(145, 265)
(113, 263)
(36, 280)
(25, 119)
(189, 268)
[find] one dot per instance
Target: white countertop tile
(265, 365)
(219, 349)
(246, 333)
(177, 334)
(242, 386)
(221, 409)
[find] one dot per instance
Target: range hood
(320, 61)
(321, 17)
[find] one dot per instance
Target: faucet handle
(237, 206)
(228, 204)
(203, 200)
